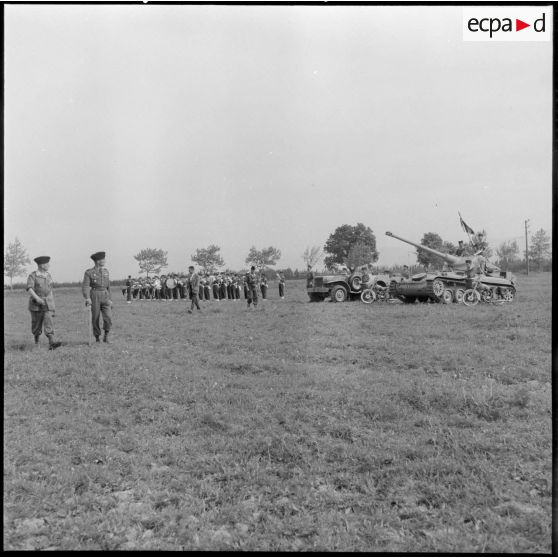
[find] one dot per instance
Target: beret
(98, 256)
(42, 260)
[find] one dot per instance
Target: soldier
(96, 291)
(281, 277)
(41, 302)
(215, 288)
(238, 287)
(406, 273)
(128, 290)
(479, 243)
(194, 282)
(309, 276)
(206, 287)
(460, 249)
(263, 286)
(251, 282)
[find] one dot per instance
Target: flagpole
(465, 228)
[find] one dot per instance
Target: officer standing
(96, 291)
(129, 283)
(251, 286)
(41, 302)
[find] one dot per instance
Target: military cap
(42, 260)
(98, 256)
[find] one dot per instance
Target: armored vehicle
(450, 285)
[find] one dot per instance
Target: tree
(507, 253)
(151, 260)
(434, 241)
(15, 260)
(359, 254)
(262, 258)
(312, 255)
(208, 258)
(340, 242)
(540, 247)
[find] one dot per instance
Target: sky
(176, 127)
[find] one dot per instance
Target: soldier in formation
(251, 281)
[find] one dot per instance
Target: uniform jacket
(194, 282)
(41, 283)
(95, 278)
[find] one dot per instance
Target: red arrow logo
(519, 25)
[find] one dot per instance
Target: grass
(295, 427)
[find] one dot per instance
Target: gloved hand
(87, 302)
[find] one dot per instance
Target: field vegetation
(292, 427)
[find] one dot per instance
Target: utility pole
(527, 245)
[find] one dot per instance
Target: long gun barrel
(452, 260)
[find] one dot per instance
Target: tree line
(350, 246)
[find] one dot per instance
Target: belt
(98, 288)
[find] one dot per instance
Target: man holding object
(41, 302)
(96, 291)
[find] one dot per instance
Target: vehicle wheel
(447, 297)
(438, 288)
(471, 297)
(367, 296)
(508, 295)
(458, 296)
(356, 283)
(338, 294)
(486, 295)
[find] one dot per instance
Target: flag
(465, 226)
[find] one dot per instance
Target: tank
(464, 272)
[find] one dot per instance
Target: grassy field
(294, 427)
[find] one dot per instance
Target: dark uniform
(96, 288)
(281, 285)
(251, 282)
(194, 283)
(40, 282)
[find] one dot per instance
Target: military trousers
(100, 305)
(252, 296)
(40, 319)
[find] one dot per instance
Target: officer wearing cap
(96, 291)
(41, 302)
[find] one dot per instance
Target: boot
(97, 340)
(105, 338)
(36, 340)
(52, 344)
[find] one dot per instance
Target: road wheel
(458, 296)
(447, 297)
(438, 288)
(508, 295)
(487, 295)
(368, 296)
(338, 294)
(471, 297)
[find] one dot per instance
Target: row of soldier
(220, 286)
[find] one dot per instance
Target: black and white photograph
(278, 277)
